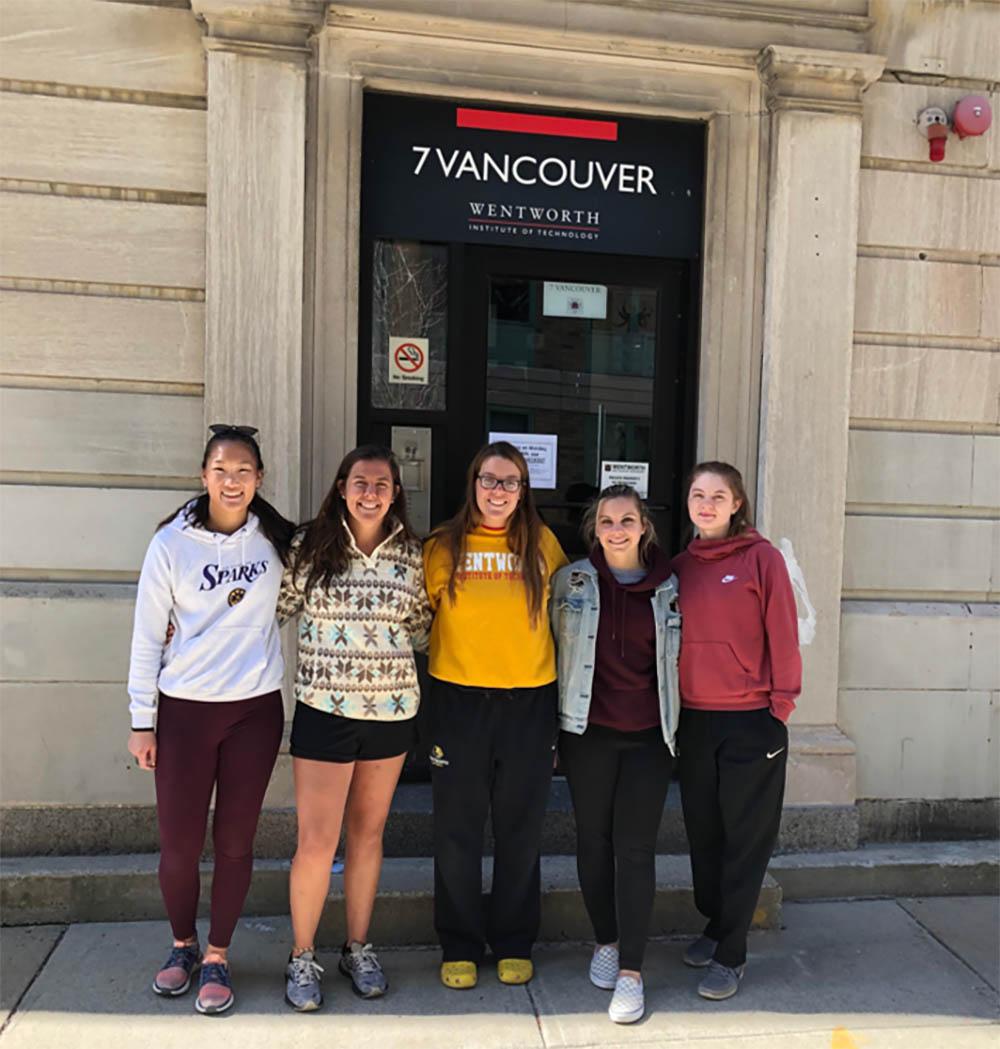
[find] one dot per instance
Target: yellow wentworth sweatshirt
(486, 638)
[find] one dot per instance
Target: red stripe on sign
(535, 124)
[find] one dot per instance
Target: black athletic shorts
(320, 736)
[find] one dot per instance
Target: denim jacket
(575, 610)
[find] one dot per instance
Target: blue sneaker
(302, 976)
(174, 978)
(215, 989)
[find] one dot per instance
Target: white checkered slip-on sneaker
(604, 967)
(629, 1001)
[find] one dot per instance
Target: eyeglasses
(508, 484)
(217, 429)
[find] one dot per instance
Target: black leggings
(619, 782)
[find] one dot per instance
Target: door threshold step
(64, 889)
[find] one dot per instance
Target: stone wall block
(129, 47)
(937, 36)
(919, 297)
(943, 744)
(908, 209)
(913, 645)
(102, 337)
(919, 555)
(925, 384)
(928, 469)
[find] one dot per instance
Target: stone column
(257, 55)
(814, 98)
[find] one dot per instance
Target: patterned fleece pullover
(357, 636)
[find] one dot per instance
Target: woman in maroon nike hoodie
(740, 673)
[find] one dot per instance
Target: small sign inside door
(540, 451)
(634, 474)
(560, 299)
(408, 360)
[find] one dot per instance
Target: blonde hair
(588, 527)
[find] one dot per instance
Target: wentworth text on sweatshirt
(739, 638)
(486, 638)
(219, 593)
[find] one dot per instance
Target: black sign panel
(447, 171)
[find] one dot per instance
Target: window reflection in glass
(409, 300)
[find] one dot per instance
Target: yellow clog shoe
(459, 976)
(515, 970)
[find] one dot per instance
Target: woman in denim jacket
(615, 619)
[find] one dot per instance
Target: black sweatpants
(491, 749)
(732, 775)
(618, 781)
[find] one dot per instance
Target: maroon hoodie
(625, 694)
(739, 633)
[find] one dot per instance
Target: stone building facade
(182, 242)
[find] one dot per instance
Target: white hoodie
(219, 592)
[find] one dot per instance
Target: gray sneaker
(720, 982)
(700, 952)
(360, 964)
(302, 990)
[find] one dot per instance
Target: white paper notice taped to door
(540, 451)
(408, 360)
(561, 299)
(634, 474)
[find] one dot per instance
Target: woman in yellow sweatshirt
(493, 715)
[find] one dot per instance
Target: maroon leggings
(200, 745)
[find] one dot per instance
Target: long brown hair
(325, 550)
(588, 527)
(275, 527)
(524, 529)
(742, 520)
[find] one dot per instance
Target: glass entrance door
(578, 362)
(586, 354)
(591, 356)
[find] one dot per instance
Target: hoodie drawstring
(624, 600)
(618, 632)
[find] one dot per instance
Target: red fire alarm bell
(972, 116)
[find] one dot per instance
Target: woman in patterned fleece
(204, 676)
(740, 673)
(356, 580)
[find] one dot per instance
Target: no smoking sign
(408, 360)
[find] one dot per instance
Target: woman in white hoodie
(204, 681)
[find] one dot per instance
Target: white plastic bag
(807, 626)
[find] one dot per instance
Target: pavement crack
(538, 1016)
(31, 983)
(937, 939)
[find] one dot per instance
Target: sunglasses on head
(218, 429)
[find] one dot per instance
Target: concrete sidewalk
(877, 974)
